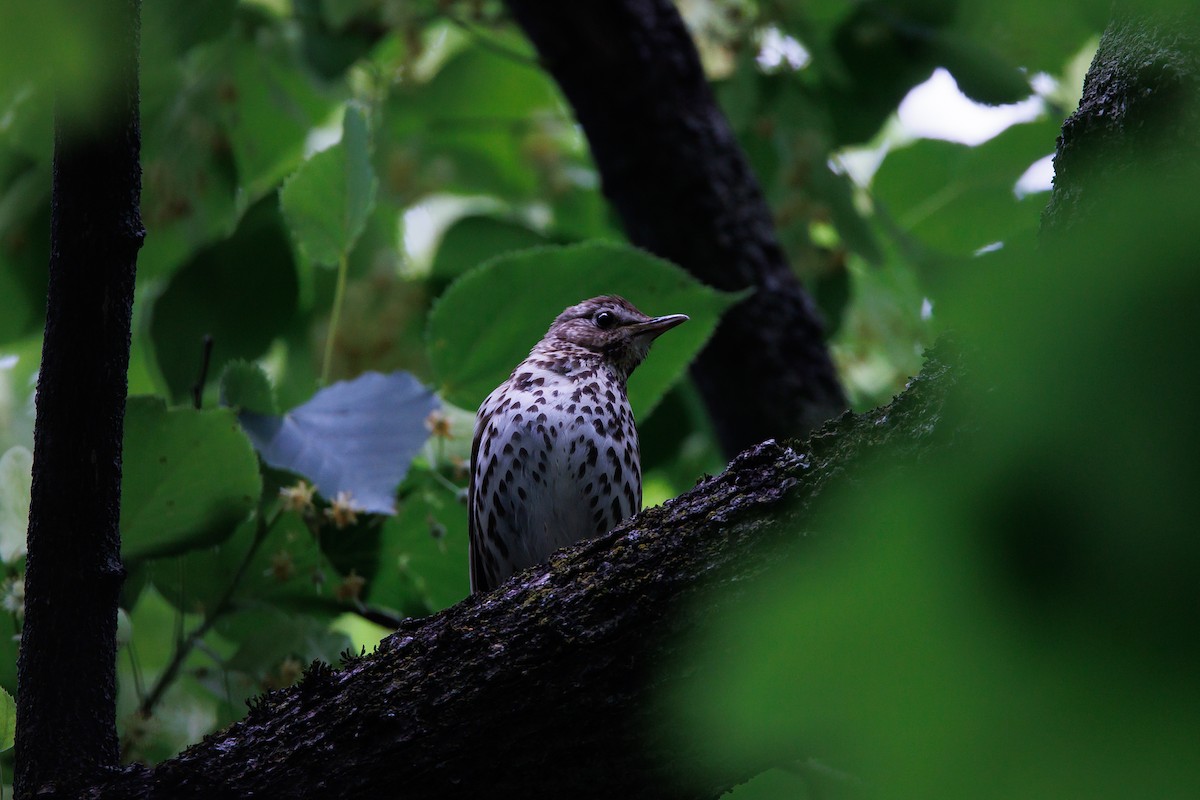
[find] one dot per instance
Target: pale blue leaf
(357, 436)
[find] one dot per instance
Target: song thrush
(555, 457)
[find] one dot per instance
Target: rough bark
(66, 701)
(552, 685)
(1136, 121)
(673, 171)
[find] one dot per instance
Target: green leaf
(189, 477)
(476, 126)
(8, 721)
(956, 198)
(16, 476)
(242, 292)
(244, 387)
(327, 202)
(474, 239)
(981, 73)
(479, 330)
(424, 555)
(269, 106)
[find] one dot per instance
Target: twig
(202, 378)
(184, 648)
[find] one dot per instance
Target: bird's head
(613, 328)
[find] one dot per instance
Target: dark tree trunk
(552, 685)
(672, 169)
(66, 678)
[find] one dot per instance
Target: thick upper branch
(674, 172)
(553, 682)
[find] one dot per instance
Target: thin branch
(184, 647)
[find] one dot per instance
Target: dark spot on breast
(633, 501)
(599, 426)
(616, 509)
(523, 453)
(582, 469)
(592, 453)
(532, 409)
(571, 408)
(541, 418)
(496, 504)
(508, 449)
(521, 493)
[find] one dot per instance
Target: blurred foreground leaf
(1022, 603)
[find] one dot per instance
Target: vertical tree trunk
(674, 173)
(66, 671)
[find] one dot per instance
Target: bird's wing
(479, 581)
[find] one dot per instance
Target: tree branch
(672, 169)
(66, 700)
(556, 679)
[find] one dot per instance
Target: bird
(555, 457)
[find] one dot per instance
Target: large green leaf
(476, 126)
(488, 320)
(188, 478)
(242, 292)
(956, 198)
(327, 202)
(476, 238)
(423, 558)
(269, 106)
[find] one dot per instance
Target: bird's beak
(652, 328)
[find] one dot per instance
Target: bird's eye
(606, 320)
